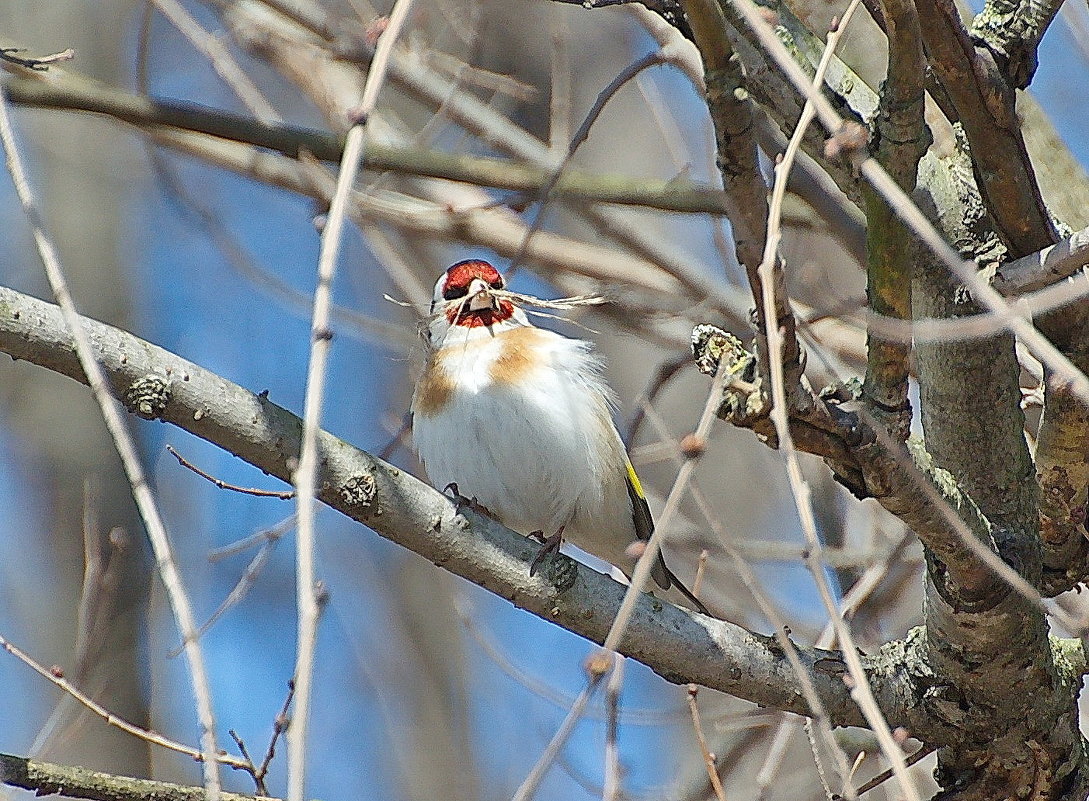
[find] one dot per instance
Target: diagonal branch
(1012, 30)
(681, 646)
(890, 473)
(985, 107)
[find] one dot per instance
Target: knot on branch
(561, 572)
(848, 145)
(147, 397)
(743, 399)
(818, 424)
(359, 492)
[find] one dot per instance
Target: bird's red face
(466, 290)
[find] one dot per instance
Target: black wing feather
(644, 527)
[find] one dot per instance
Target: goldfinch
(518, 418)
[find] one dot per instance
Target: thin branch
(732, 113)
(56, 676)
(1045, 267)
(247, 580)
(283, 495)
(76, 93)
(528, 788)
(705, 752)
(221, 60)
(306, 474)
(611, 790)
(37, 64)
(148, 397)
(885, 775)
(629, 73)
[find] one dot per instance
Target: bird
(520, 419)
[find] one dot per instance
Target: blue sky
(193, 301)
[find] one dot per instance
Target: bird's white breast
(520, 421)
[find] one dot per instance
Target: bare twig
(225, 65)
(279, 726)
(245, 582)
(56, 676)
(650, 60)
(611, 790)
(126, 449)
(305, 478)
(885, 775)
(708, 757)
(283, 495)
(528, 787)
(860, 689)
(39, 63)
(272, 533)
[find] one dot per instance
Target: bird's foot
(462, 502)
(451, 489)
(549, 545)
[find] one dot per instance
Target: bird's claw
(462, 502)
(549, 545)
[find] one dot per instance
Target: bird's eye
(455, 292)
(497, 283)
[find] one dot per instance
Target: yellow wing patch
(633, 479)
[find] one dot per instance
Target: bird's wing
(644, 524)
(644, 527)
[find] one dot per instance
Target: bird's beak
(480, 296)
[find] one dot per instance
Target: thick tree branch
(733, 116)
(1062, 471)
(680, 646)
(902, 139)
(1012, 30)
(869, 465)
(984, 105)
(47, 778)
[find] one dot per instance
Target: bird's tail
(672, 580)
